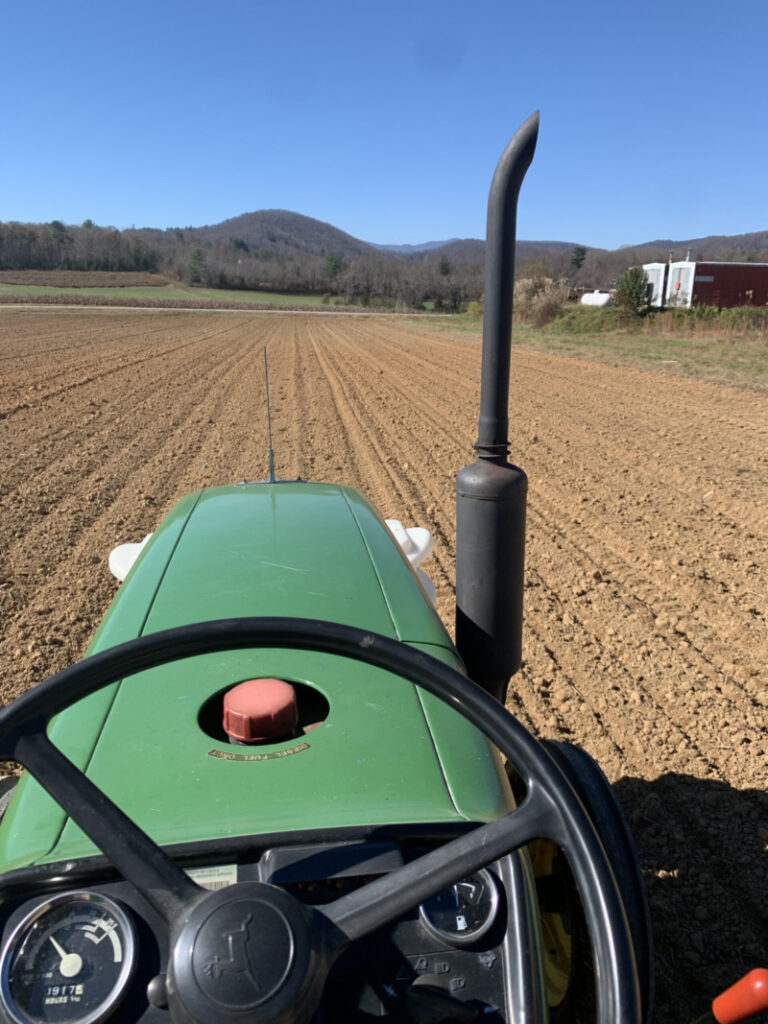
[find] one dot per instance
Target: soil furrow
(419, 500)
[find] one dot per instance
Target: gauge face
(464, 912)
(68, 962)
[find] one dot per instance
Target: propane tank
(491, 493)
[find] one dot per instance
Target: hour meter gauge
(68, 961)
(464, 912)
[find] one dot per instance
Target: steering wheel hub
(246, 948)
(252, 952)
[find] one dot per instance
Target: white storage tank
(597, 298)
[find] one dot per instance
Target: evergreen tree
(333, 265)
(578, 256)
(631, 293)
(195, 269)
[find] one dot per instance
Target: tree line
(283, 252)
(198, 258)
(55, 246)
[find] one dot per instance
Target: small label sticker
(228, 755)
(219, 876)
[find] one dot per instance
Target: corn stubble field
(645, 637)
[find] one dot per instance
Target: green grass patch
(739, 360)
(461, 323)
(736, 359)
(273, 298)
(176, 292)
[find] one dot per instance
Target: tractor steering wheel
(292, 945)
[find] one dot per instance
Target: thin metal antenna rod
(271, 477)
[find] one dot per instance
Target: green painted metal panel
(472, 767)
(414, 618)
(33, 820)
(126, 616)
(385, 754)
(280, 549)
(371, 762)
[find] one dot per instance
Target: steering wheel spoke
(299, 944)
(390, 896)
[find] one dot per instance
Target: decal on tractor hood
(228, 755)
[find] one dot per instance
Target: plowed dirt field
(645, 637)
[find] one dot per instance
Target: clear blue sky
(386, 118)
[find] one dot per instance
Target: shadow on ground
(703, 848)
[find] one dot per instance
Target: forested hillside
(277, 250)
(274, 250)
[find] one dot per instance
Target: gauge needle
(70, 963)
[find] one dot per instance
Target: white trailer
(656, 276)
(679, 290)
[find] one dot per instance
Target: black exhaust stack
(491, 493)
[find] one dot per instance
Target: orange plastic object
(259, 710)
(744, 999)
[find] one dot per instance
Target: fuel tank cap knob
(260, 709)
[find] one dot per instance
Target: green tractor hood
(385, 753)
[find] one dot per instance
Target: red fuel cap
(260, 709)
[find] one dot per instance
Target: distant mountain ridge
(279, 250)
(282, 230)
(752, 242)
(421, 247)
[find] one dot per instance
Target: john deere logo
(243, 953)
(237, 961)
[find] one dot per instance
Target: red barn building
(716, 284)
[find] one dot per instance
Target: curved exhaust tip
(501, 230)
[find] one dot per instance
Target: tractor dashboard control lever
(430, 1003)
(745, 999)
(749, 996)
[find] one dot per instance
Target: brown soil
(647, 546)
(156, 301)
(84, 278)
